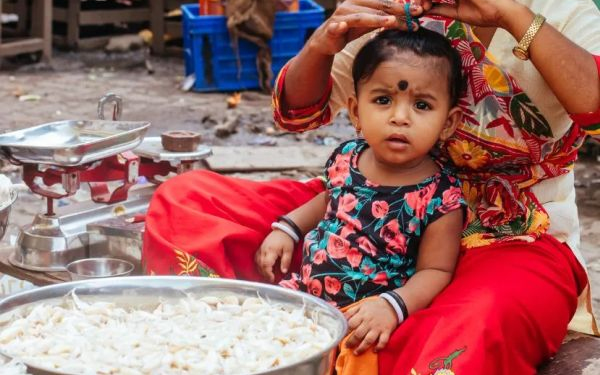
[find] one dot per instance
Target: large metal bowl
(144, 291)
(5, 211)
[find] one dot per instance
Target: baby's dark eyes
(383, 100)
(422, 105)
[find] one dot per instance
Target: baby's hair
(423, 42)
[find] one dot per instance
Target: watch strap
(533, 29)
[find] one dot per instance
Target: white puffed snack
(209, 335)
(12, 367)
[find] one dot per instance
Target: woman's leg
(203, 223)
(506, 311)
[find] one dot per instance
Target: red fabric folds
(505, 311)
(202, 223)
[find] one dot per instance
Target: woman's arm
(308, 74)
(569, 70)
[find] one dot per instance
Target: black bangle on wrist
(292, 225)
(399, 301)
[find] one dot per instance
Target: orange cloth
(349, 364)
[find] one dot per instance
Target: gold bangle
(521, 50)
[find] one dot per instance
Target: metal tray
(71, 142)
(148, 291)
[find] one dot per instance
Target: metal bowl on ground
(148, 291)
(95, 268)
(5, 211)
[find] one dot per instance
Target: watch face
(520, 53)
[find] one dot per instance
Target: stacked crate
(164, 27)
(210, 57)
(25, 38)
(73, 19)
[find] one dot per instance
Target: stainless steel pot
(144, 291)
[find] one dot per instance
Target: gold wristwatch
(521, 50)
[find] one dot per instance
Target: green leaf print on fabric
(456, 31)
(349, 291)
(527, 116)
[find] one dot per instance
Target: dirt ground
(69, 88)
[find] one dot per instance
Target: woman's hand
(486, 13)
(354, 18)
(371, 323)
(276, 245)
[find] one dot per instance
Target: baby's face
(403, 107)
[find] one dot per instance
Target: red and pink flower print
(337, 247)
(306, 271)
(319, 257)
(381, 278)
(354, 257)
(367, 246)
(291, 283)
(419, 200)
(395, 241)
(451, 199)
(332, 285)
(339, 170)
(347, 202)
(315, 287)
(352, 223)
(379, 209)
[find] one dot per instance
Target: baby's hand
(276, 245)
(371, 323)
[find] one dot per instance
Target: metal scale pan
(71, 142)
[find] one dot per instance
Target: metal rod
(49, 207)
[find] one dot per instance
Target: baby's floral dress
(368, 241)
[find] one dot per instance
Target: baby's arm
(438, 254)
(279, 244)
(373, 321)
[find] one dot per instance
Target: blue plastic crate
(209, 55)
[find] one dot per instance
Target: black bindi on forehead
(402, 85)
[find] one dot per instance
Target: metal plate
(152, 148)
(70, 142)
(148, 291)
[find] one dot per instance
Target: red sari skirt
(505, 311)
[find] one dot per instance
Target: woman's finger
(365, 20)
(425, 5)
(444, 10)
(394, 7)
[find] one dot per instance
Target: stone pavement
(71, 87)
